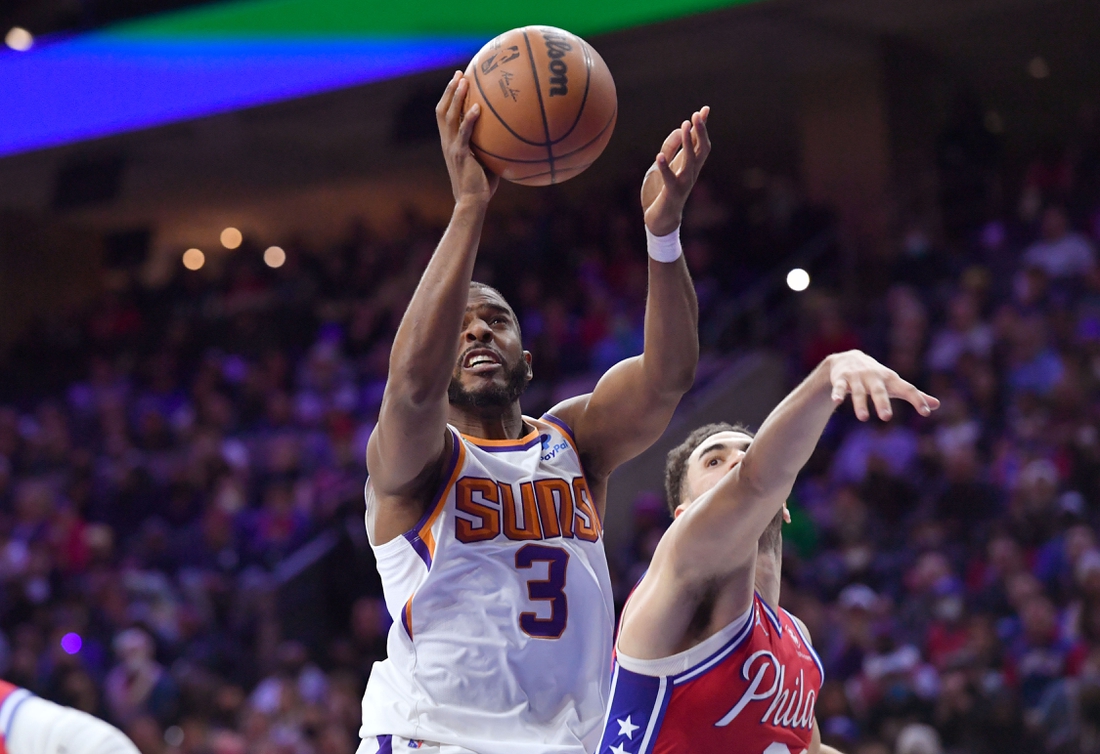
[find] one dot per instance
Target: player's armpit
(625, 414)
(661, 609)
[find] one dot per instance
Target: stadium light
(194, 259)
(798, 279)
(19, 39)
(274, 257)
(231, 238)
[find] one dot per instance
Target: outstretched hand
(469, 180)
(669, 181)
(857, 373)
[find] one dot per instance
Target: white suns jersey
(502, 607)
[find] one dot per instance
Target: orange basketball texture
(548, 105)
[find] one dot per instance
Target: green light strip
(355, 18)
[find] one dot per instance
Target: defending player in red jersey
(706, 660)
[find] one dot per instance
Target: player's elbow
(671, 379)
(753, 481)
(415, 389)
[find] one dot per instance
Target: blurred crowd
(181, 468)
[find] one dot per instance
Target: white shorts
(399, 745)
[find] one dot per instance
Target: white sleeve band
(664, 248)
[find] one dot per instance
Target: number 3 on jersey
(549, 590)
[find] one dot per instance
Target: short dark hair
(487, 287)
(676, 464)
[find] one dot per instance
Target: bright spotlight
(274, 257)
(798, 279)
(231, 238)
(194, 259)
(19, 39)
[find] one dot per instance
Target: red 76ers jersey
(749, 689)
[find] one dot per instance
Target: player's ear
(679, 509)
(786, 514)
(527, 358)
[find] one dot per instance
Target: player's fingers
(918, 400)
(468, 121)
(672, 143)
(881, 398)
(448, 96)
(840, 390)
(689, 148)
(702, 138)
(859, 400)
(458, 102)
(665, 170)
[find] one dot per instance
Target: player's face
(492, 368)
(715, 457)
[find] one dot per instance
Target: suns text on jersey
(536, 510)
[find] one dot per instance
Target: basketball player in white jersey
(31, 725)
(706, 660)
(486, 524)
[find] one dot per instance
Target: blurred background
(212, 216)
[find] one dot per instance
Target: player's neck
(489, 423)
(768, 572)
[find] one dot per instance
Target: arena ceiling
(750, 57)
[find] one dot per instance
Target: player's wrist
(664, 247)
(471, 202)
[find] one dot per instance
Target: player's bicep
(620, 418)
(404, 445)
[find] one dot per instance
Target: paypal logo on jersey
(548, 450)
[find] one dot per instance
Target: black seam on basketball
(558, 157)
(542, 107)
(584, 97)
(488, 104)
(577, 168)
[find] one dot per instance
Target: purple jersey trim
(413, 534)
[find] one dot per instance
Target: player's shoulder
(568, 412)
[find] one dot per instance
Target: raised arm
(718, 533)
(634, 401)
(715, 536)
(407, 447)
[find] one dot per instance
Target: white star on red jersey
(626, 728)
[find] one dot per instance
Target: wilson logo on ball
(556, 47)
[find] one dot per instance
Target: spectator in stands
(1060, 253)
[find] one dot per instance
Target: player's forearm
(671, 329)
(788, 437)
(426, 344)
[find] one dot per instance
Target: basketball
(548, 105)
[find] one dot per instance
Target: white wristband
(664, 248)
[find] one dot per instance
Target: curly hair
(676, 463)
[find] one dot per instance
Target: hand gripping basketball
(469, 180)
(669, 181)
